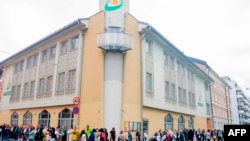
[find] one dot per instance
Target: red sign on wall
(76, 100)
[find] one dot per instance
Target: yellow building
(108, 70)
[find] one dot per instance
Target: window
(74, 43)
(29, 62)
(178, 67)
(17, 67)
(21, 65)
(206, 87)
(60, 83)
(26, 90)
(165, 58)
(179, 95)
(35, 59)
(190, 99)
(44, 118)
(181, 123)
(190, 123)
(49, 84)
(167, 92)
(208, 108)
(183, 70)
(149, 49)
(44, 55)
(64, 46)
(13, 95)
(66, 118)
(194, 99)
(168, 122)
(172, 62)
(14, 119)
(184, 95)
(18, 92)
(149, 83)
(173, 92)
(189, 74)
(41, 86)
(32, 88)
(52, 52)
(72, 79)
(192, 76)
(27, 118)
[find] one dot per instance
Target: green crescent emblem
(109, 7)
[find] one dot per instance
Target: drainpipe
(142, 85)
(227, 104)
(212, 115)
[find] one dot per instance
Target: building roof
(152, 29)
(68, 26)
(199, 61)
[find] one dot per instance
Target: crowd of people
(61, 133)
(188, 135)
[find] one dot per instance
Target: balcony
(115, 41)
(239, 96)
(248, 115)
(241, 111)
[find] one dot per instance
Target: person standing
(182, 135)
(129, 136)
(145, 135)
(138, 135)
(121, 136)
(107, 134)
(31, 135)
(88, 132)
(208, 135)
(59, 133)
(75, 134)
(190, 135)
(83, 136)
(64, 137)
(112, 134)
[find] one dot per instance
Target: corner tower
(114, 42)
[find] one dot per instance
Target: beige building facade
(108, 70)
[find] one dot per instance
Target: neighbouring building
(108, 70)
(243, 107)
(221, 103)
(233, 98)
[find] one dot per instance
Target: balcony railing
(115, 41)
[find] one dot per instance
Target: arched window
(181, 123)
(66, 118)
(14, 119)
(44, 118)
(168, 122)
(27, 118)
(190, 123)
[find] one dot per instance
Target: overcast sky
(216, 31)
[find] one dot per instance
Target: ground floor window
(168, 122)
(27, 118)
(44, 118)
(14, 119)
(191, 123)
(181, 123)
(66, 118)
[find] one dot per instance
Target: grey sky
(216, 31)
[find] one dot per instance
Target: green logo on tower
(112, 5)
